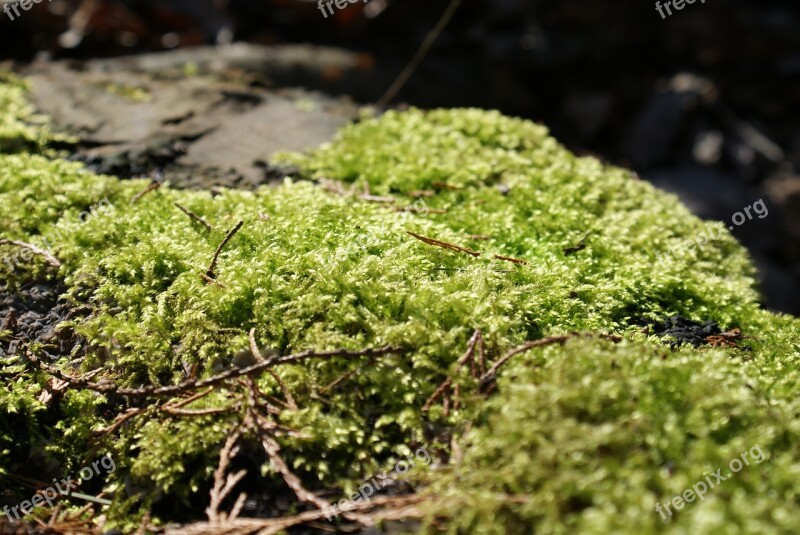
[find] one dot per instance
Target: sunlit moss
(311, 269)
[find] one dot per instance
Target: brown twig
(231, 373)
(489, 376)
(211, 281)
(151, 187)
(185, 401)
(195, 217)
(444, 245)
(50, 257)
(231, 233)
(510, 259)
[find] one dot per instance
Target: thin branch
(510, 259)
(423, 50)
(444, 245)
(50, 257)
(190, 399)
(231, 373)
(492, 372)
(195, 217)
(152, 187)
(231, 233)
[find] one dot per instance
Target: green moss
(582, 438)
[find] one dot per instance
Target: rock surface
(197, 118)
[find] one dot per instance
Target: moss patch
(584, 442)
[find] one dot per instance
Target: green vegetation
(581, 438)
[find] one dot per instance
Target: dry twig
(195, 217)
(510, 259)
(189, 385)
(231, 233)
(151, 187)
(444, 245)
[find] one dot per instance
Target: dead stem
(194, 217)
(444, 245)
(510, 259)
(231, 233)
(189, 385)
(151, 187)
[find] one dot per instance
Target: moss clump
(314, 270)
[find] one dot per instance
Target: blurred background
(704, 103)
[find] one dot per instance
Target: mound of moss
(515, 237)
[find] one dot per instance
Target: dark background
(704, 103)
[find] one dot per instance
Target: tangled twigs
(231, 233)
(190, 385)
(224, 484)
(444, 245)
(374, 510)
(50, 257)
(264, 430)
(469, 356)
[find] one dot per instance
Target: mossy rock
(583, 436)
